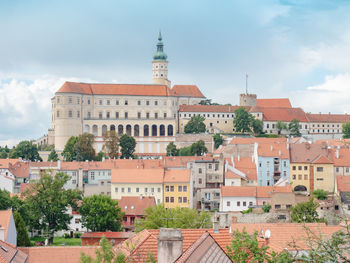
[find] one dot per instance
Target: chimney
(2, 233)
(59, 165)
(169, 245)
(337, 153)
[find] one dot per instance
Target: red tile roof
(343, 159)
(266, 191)
(187, 91)
(20, 169)
(177, 176)
(330, 118)
(247, 166)
(321, 159)
(308, 153)
(274, 103)
(23, 187)
(5, 163)
(155, 176)
(274, 149)
(107, 234)
(259, 140)
(228, 191)
(116, 89)
(284, 114)
(136, 205)
(343, 183)
(209, 108)
(11, 254)
(5, 216)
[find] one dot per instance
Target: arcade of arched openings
(131, 130)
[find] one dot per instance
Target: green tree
(281, 126)
(69, 153)
(22, 232)
(127, 144)
(53, 156)
(346, 130)
(171, 150)
(3, 153)
(99, 157)
(158, 216)
(185, 151)
(320, 194)
(104, 254)
(111, 146)
(83, 147)
(5, 200)
(305, 212)
(218, 140)
(242, 120)
(266, 208)
(294, 128)
(257, 126)
(26, 150)
(101, 213)
(48, 202)
(198, 148)
(195, 125)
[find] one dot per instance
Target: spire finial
(160, 35)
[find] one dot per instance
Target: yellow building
(300, 175)
(177, 188)
(137, 182)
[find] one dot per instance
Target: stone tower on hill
(160, 65)
(246, 99)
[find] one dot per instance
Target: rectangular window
(244, 203)
(116, 189)
(294, 167)
(152, 189)
(126, 102)
(155, 102)
(210, 166)
(216, 167)
(199, 170)
(179, 199)
(122, 189)
(179, 188)
(238, 203)
(319, 169)
(228, 203)
(200, 180)
(184, 199)
(250, 203)
(129, 190)
(78, 100)
(100, 102)
(139, 115)
(299, 168)
(305, 167)
(117, 102)
(70, 100)
(294, 177)
(108, 114)
(89, 114)
(156, 115)
(167, 199)
(137, 189)
(108, 102)
(126, 115)
(185, 188)
(139, 102)
(319, 179)
(70, 114)
(158, 189)
(147, 102)
(277, 206)
(167, 188)
(300, 177)
(146, 189)
(171, 188)
(117, 115)
(171, 199)
(164, 115)
(100, 115)
(58, 114)
(89, 101)
(74, 181)
(305, 177)
(147, 115)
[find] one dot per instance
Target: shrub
(266, 208)
(248, 211)
(77, 235)
(320, 194)
(66, 235)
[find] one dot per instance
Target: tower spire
(160, 64)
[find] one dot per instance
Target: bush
(66, 235)
(248, 211)
(77, 235)
(320, 194)
(266, 208)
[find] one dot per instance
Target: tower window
(161, 75)
(126, 102)
(117, 102)
(155, 102)
(100, 102)
(126, 115)
(147, 102)
(138, 102)
(70, 114)
(89, 101)
(108, 102)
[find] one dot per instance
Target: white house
(237, 198)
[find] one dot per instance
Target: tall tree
(280, 126)
(242, 120)
(101, 213)
(195, 125)
(26, 150)
(83, 147)
(198, 148)
(48, 202)
(69, 153)
(171, 150)
(127, 144)
(111, 146)
(257, 126)
(5, 200)
(346, 130)
(53, 156)
(22, 231)
(305, 212)
(294, 128)
(218, 140)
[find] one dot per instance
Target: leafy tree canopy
(5, 200)
(22, 232)
(242, 120)
(127, 144)
(111, 146)
(320, 194)
(26, 150)
(195, 125)
(294, 128)
(101, 213)
(346, 130)
(69, 153)
(305, 212)
(83, 147)
(53, 156)
(218, 140)
(198, 148)
(257, 126)
(171, 150)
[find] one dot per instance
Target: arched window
(86, 128)
(136, 130)
(120, 129)
(162, 130)
(170, 130)
(154, 130)
(301, 188)
(128, 130)
(94, 130)
(104, 129)
(145, 130)
(112, 128)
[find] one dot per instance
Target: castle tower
(246, 99)
(160, 65)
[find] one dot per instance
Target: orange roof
(283, 234)
(5, 163)
(61, 254)
(20, 169)
(332, 118)
(343, 183)
(187, 91)
(209, 108)
(228, 191)
(107, 234)
(177, 176)
(321, 159)
(5, 216)
(231, 175)
(152, 176)
(344, 157)
(335, 142)
(307, 153)
(146, 242)
(284, 114)
(116, 89)
(274, 149)
(136, 205)
(247, 166)
(259, 140)
(266, 191)
(11, 254)
(43, 164)
(274, 103)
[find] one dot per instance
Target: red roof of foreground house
(5, 216)
(284, 114)
(343, 183)
(153, 176)
(266, 191)
(187, 91)
(283, 234)
(11, 254)
(146, 242)
(5, 163)
(228, 191)
(61, 254)
(273, 103)
(116, 89)
(107, 234)
(331, 118)
(343, 159)
(209, 108)
(20, 169)
(136, 205)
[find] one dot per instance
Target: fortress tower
(160, 65)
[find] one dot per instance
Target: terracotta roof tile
(343, 159)
(284, 114)
(5, 163)
(210, 108)
(107, 234)
(177, 176)
(274, 149)
(259, 140)
(11, 254)
(187, 91)
(343, 183)
(274, 103)
(20, 169)
(116, 89)
(266, 191)
(43, 164)
(136, 205)
(228, 191)
(321, 159)
(155, 176)
(331, 118)
(307, 153)
(5, 216)
(247, 166)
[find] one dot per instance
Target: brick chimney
(169, 245)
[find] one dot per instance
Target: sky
(288, 48)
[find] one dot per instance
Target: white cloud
(330, 96)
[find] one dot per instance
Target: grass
(58, 241)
